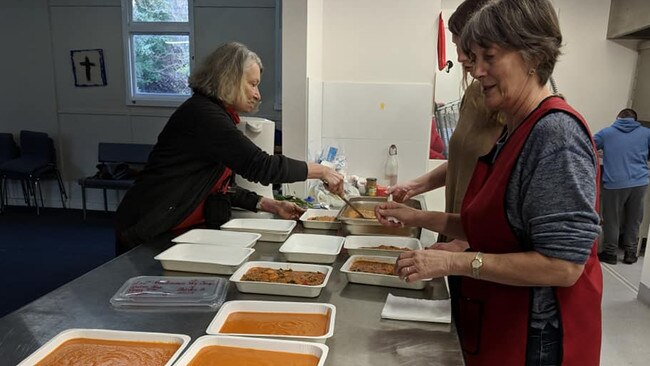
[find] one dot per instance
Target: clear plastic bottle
(391, 168)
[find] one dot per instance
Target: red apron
(494, 318)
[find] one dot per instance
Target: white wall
(596, 75)
(360, 52)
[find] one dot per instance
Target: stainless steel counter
(360, 338)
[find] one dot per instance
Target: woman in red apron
(532, 285)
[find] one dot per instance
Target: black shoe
(630, 258)
(607, 258)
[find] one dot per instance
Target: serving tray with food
(320, 219)
(275, 319)
(353, 224)
(389, 246)
(277, 278)
(376, 270)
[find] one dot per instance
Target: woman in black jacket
(187, 179)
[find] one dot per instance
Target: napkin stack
(404, 308)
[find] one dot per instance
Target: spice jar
(371, 186)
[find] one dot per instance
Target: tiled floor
(626, 321)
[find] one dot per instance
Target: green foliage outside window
(162, 61)
(162, 64)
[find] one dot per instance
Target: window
(157, 49)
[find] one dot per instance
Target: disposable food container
(312, 248)
(271, 229)
(274, 307)
(285, 289)
(362, 245)
(104, 334)
(324, 225)
(169, 291)
(378, 279)
(218, 237)
(317, 349)
(204, 258)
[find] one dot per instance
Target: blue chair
(8, 151)
(37, 161)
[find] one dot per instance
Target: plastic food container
(115, 335)
(166, 291)
(362, 245)
(324, 225)
(285, 289)
(277, 345)
(378, 279)
(312, 248)
(270, 229)
(274, 307)
(203, 258)
(218, 237)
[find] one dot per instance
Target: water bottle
(390, 170)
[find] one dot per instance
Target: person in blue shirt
(625, 146)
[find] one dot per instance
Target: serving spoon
(342, 196)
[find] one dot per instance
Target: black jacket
(198, 142)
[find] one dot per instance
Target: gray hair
(221, 74)
(530, 27)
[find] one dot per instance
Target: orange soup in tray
(101, 352)
(295, 324)
(235, 356)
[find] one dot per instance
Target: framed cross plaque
(88, 67)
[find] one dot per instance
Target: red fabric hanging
(442, 54)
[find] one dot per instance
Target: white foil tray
(355, 245)
(285, 289)
(378, 279)
(203, 258)
(271, 229)
(277, 345)
(324, 225)
(218, 237)
(273, 307)
(104, 334)
(312, 248)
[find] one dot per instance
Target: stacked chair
(37, 161)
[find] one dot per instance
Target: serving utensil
(352, 206)
(342, 196)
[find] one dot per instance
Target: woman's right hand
(403, 191)
(333, 180)
(395, 214)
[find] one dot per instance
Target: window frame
(130, 29)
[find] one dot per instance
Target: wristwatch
(258, 206)
(476, 265)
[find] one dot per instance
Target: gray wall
(38, 91)
(627, 16)
(641, 101)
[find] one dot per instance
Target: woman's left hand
(287, 210)
(423, 264)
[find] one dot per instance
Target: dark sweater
(198, 142)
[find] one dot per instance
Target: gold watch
(476, 265)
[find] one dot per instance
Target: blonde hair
(221, 74)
